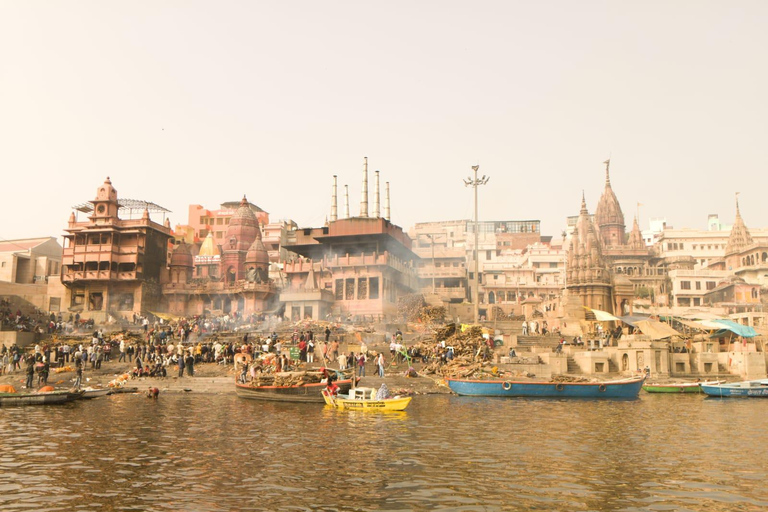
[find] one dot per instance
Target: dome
(257, 254)
(182, 257)
(243, 228)
(209, 248)
(106, 192)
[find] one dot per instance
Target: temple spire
(608, 172)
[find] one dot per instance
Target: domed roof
(209, 247)
(106, 192)
(257, 254)
(182, 256)
(243, 228)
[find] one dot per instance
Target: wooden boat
(310, 392)
(96, 392)
(51, 397)
(743, 389)
(365, 399)
(677, 387)
(624, 388)
(124, 389)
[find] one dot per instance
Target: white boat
(743, 389)
(95, 392)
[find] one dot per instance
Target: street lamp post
(474, 182)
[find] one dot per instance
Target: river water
(219, 453)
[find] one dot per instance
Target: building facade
(113, 265)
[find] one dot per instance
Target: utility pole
(474, 182)
(431, 237)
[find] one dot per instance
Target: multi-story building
(353, 267)
(689, 286)
(31, 260)
(502, 249)
(112, 264)
(202, 221)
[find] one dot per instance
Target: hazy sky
(185, 102)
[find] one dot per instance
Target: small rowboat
(743, 389)
(365, 399)
(677, 387)
(96, 392)
(624, 388)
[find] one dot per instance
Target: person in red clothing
(332, 388)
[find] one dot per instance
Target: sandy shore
(216, 378)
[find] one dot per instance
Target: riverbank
(217, 379)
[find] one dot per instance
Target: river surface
(190, 452)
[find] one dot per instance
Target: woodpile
(287, 378)
(501, 316)
(409, 306)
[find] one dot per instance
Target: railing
(88, 275)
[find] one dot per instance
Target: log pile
(500, 315)
(287, 378)
(409, 306)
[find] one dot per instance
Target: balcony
(447, 273)
(302, 295)
(219, 287)
(454, 292)
(98, 275)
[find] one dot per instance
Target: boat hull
(628, 388)
(94, 393)
(304, 393)
(672, 388)
(55, 397)
(390, 404)
(681, 387)
(744, 389)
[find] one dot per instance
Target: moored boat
(305, 391)
(677, 387)
(47, 398)
(623, 388)
(743, 389)
(96, 392)
(365, 399)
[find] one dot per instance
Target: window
(373, 288)
(711, 285)
(350, 289)
(698, 285)
(219, 221)
(488, 255)
(362, 288)
(339, 289)
(685, 285)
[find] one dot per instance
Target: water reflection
(210, 453)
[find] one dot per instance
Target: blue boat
(743, 389)
(624, 388)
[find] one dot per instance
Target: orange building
(221, 278)
(113, 265)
